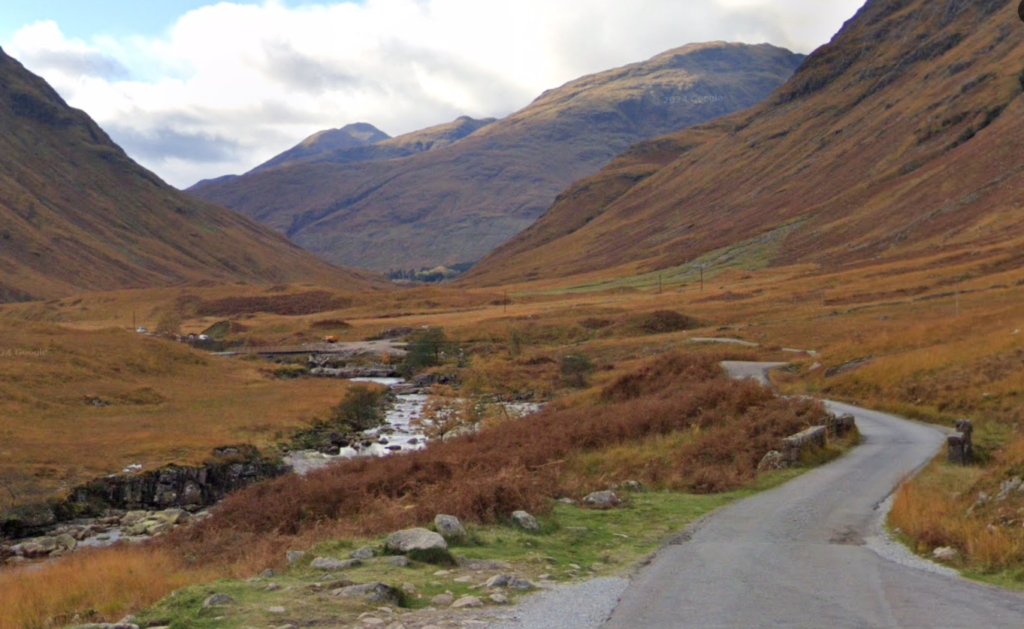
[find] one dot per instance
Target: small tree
(362, 409)
(575, 370)
(425, 350)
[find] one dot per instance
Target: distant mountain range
(451, 194)
(901, 138)
(76, 214)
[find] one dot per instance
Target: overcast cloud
(229, 86)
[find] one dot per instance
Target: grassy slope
(457, 203)
(161, 403)
(898, 139)
(77, 214)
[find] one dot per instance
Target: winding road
(811, 554)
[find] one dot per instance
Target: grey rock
(277, 610)
(409, 540)
(268, 574)
(499, 581)
(525, 521)
(334, 565)
(467, 602)
(295, 556)
(634, 486)
(946, 554)
(499, 599)
(371, 593)
(601, 500)
(449, 527)
(521, 585)
(773, 461)
(401, 562)
(218, 600)
(363, 554)
(443, 600)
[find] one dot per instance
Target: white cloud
(229, 85)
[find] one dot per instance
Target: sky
(194, 89)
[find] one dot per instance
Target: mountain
(349, 137)
(76, 214)
(899, 138)
(457, 202)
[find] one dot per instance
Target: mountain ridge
(883, 144)
(455, 204)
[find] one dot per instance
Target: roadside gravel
(581, 606)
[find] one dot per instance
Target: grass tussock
(945, 507)
(91, 586)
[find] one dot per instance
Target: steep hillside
(900, 137)
(457, 203)
(77, 214)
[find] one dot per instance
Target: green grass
(573, 544)
(751, 255)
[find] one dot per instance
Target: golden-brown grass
(91, 586)
(79, 404)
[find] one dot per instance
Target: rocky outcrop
(173, 486)
(229, 470)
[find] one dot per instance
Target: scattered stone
(521, 585)
(499, 599)
(372, 621)
(601, 500)
(568, 502)
(66, 542)
(467, 602)
(466, 579)
(363, 554)
(443, 600)
(499, 581)
(401, 562)
(277, 610)
(274, 587)
(267, 574)
(371, 592)
(295, 556)
(449, 527)
(334, 565)
(218, 600)
(772, 462)
(634, 486)
(946, 554)
(408, 588)
(1009, 487)
(404, 542)
(525, 521)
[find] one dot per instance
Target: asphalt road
(809, 555)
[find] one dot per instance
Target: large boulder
(450, 528)
(415, 540)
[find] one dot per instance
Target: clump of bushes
(663, 322)
(522, 464)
